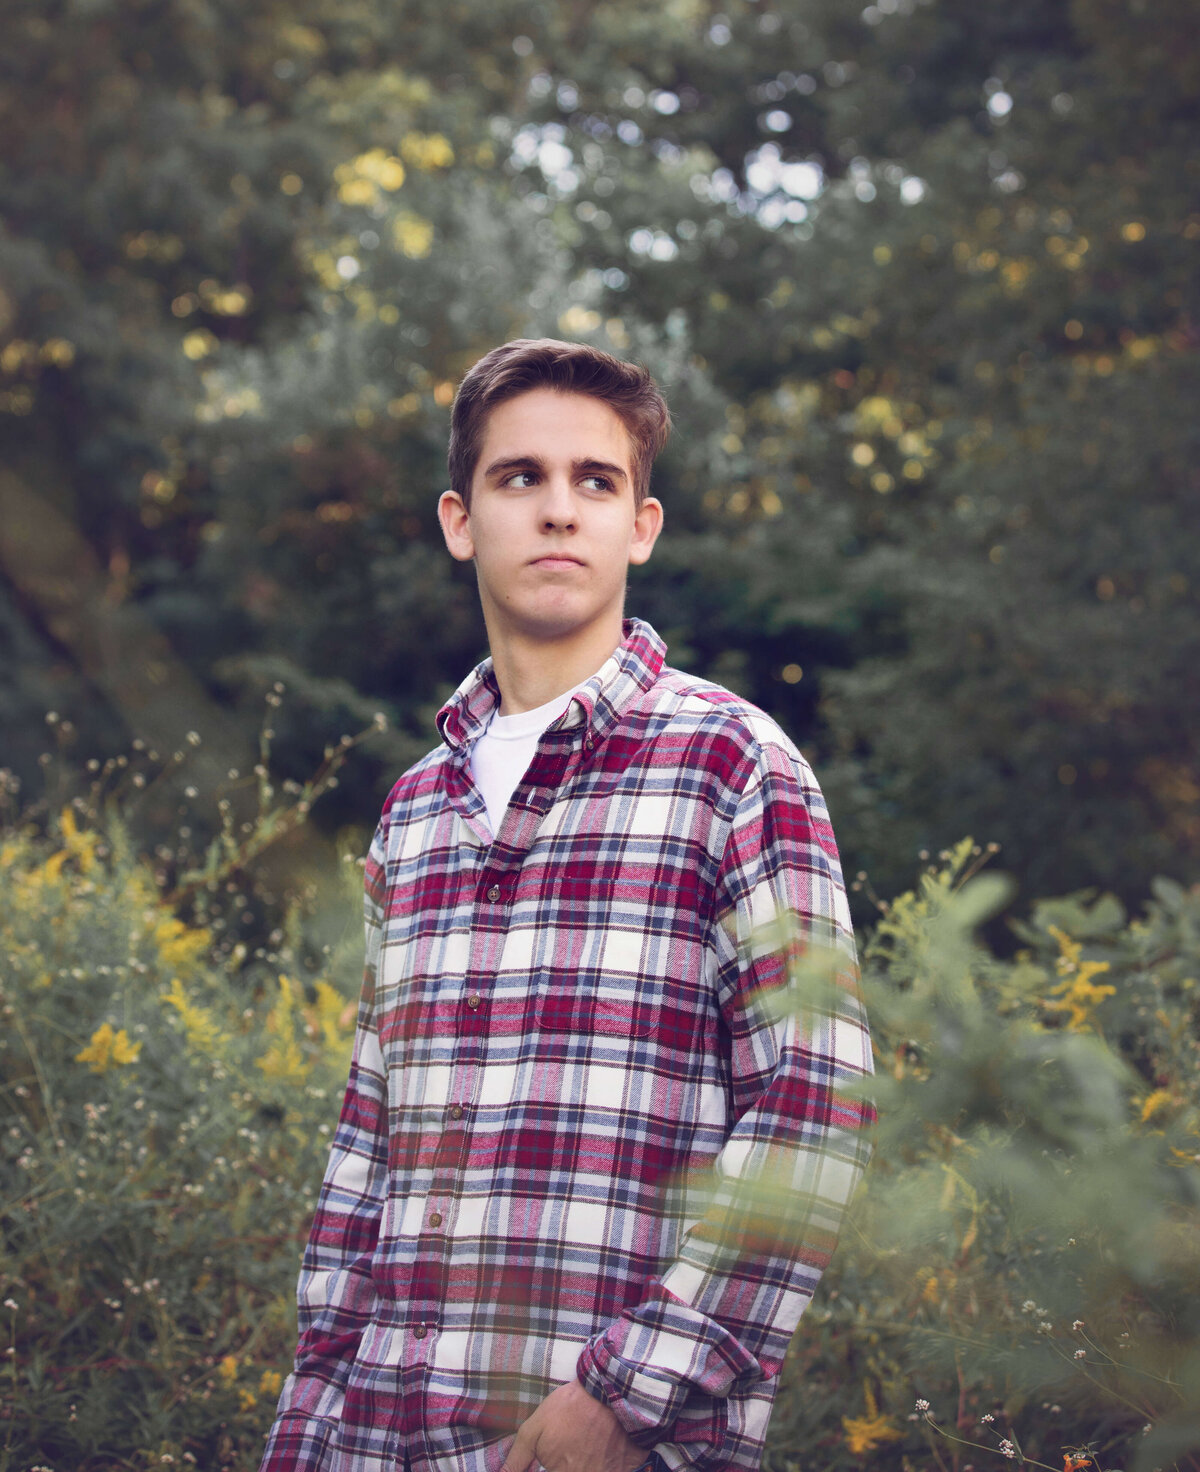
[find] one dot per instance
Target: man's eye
(521, 479)
(598, 483)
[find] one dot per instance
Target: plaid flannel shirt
(565, 1071)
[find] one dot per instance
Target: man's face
(552, 524)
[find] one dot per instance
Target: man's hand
(572, 1432)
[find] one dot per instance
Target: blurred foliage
(1025, 1247)
(919, 279)
(1023, 1266)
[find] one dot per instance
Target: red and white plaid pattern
(564, 1074)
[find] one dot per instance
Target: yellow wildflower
(358, 191)
(1068, 951)
(1077, 994)
(427, 150)
(81, 846)
(248, 1399)
(270, 1382)
(360, 179)
(283, 1058)
(865, 1433)
(227, 1369)
(50, 871)
(330, 1016)
(390, 174)
(180, 945)
(413, 236)
(203, 1033)
(1154, 1102)
(108, 1049)
(1080, 998)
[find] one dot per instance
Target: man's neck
(531, 672)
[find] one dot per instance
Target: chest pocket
(586, 1015)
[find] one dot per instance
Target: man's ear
(646, 526)
(456, 526)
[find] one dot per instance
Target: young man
(539, 1242)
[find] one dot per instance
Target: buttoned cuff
(299, 1443)
(646, 1365)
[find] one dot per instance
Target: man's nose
(558, 505)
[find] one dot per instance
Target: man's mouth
(553, 561)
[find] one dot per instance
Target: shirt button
(589, 741)
(456, 1111)
(473, 1002)
(494, 893)
(435, 1218)
(419, 1332)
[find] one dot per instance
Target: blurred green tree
(949, 500)
(917, 277)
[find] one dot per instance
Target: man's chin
(559, 624)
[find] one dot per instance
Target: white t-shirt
(501, 756)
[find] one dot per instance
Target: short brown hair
(571, 368)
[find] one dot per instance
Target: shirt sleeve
(336, 1294)
(721, 1315)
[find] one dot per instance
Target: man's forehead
(542, 422)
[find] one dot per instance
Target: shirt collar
(596, 707)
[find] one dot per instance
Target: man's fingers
(521, 1454)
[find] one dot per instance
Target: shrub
(1025, 1250)
(165, 1121)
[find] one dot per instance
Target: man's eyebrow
(516, 463)
(598, 467)
(513, 464)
